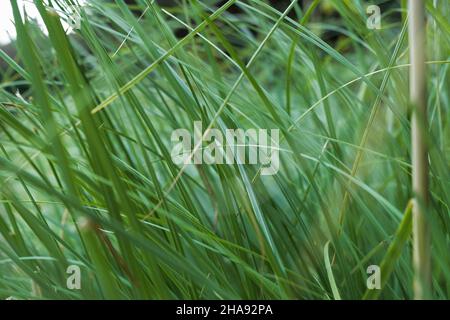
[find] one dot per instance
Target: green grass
(87, 177)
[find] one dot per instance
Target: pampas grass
(87, 177)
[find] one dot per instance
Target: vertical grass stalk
(418, 92)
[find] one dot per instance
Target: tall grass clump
(88, 179)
